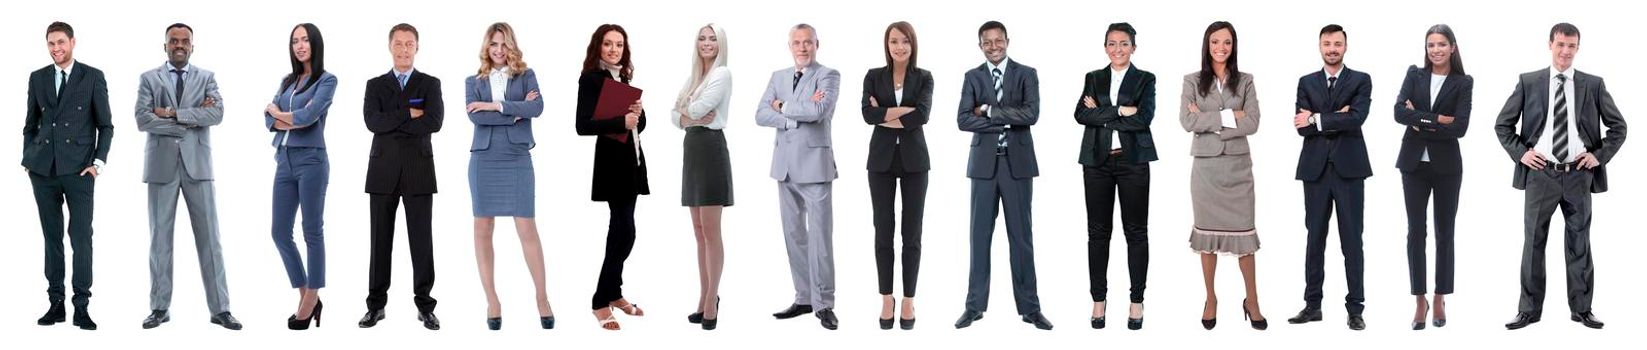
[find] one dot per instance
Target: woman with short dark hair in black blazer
(1434, 105)
(1116, 106)
(897, 153)
(620, 165)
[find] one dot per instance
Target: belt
(1564, 167)
(1116, 152)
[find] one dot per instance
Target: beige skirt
(1221, 190)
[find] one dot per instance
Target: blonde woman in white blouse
(706, 167)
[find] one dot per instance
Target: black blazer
(1339, 138)
(403, 161)
(1591, 107)
(1422, 130)
(63, 133)
(909, 142)
(620, 168)
(1018, 109)
(1137, 90)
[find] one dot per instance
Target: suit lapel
(1129, 86)
(74, 80)
(1540, 95)
(1104, 77)
(1581, 84)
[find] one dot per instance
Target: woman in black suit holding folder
(620, 165)
(897, 153)
(1434, 107)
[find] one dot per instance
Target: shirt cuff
(783, 107)
(98, 163)
(989, 111)
(790, 125)
(1316, 119)
(1227, 118)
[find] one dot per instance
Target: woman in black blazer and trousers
(1434, 106)
(1117, 105)
(897, 152)
(620, 166)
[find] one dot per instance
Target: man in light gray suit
(1000, 100)
(799, 102)
(176, 104)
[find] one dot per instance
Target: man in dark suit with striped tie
(1561, 155)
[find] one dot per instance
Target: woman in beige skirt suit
(1220, 107)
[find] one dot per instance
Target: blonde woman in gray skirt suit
(706, 165)
(1220, 107)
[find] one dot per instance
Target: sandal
(610, 322)
(630, 309)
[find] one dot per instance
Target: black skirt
(706, 168)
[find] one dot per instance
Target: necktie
(797, 83)
(1331, 82)
(179, 74)
(1000, 141)
(1560, 143)
(402, 79)
(62, 79)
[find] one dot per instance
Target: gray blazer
(514, 105)
(802, 151)
(1592, 107)
(1211, 137)
(188, 135)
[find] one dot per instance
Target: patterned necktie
(797, 83)
(1000, 141)
(402, 78)
(1560, 143)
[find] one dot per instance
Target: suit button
(55, 124)
(68, 141)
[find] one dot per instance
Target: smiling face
(1438, 50)
(611, 48)
(497, 49)
(1562, 50)
(803, 46)
(1332, 49)
(709, 44)
(300, 44)
(898, 46)
(994, 45)
(179, 45)
(61, 47)
(1220, 44)
(403, 46)
(1118, 45)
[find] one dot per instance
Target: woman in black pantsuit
(1434, 106)
(897, 153)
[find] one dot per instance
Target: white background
(245, 45)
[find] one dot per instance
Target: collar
(187, 67)
(1119, 72)
(66, 71)
(1341, 69)
(1568, 73)
(1002, 66)
(407, 73)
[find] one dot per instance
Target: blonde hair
(512, 54)
(698, 73)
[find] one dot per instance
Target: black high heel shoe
(293, 323)
(548, 322)
(1213, 322)
(494, 323)
(1256, 324)
(710, 323)
(906, 324)
(1098, 322)
(697, 317)
(1418, 324)
(886, 323)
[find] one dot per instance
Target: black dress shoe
(1588, 319)
(54, 315)
(794, 310)
(1309, 314)
(82, 319)
(967, 318)
(1356, 323)
(226, 320)
(371, 318)
(906, 323)
(826, 317)
(1040, 322)
(494, 323)
(1098, 322)
(156, 318)
(886, 323)
(1521, 320)
(429, 320)
(547, 322)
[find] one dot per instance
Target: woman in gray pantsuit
(1220, 106)
(706, 165)
(503, 98)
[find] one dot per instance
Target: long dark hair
(591, 60)
(914, 47)
(1457, 62)
(1207, 75)
(317, 63)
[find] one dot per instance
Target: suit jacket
(1137, 90)
(1422, 131)
(188, 135)
(489, 124)
(64, 132)
(1018, 109)
(620, 166)
(802, 151)
(1211, 137)
(1335, 137)
(1591, 107)
(909, 142)
(402, 161)
(308, 107)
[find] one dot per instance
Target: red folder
(615, 98)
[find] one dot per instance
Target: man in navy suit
(65, 143)
(1332, 105)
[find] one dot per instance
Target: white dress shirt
(1435, 91)
(499, 81)
(1546, 146)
